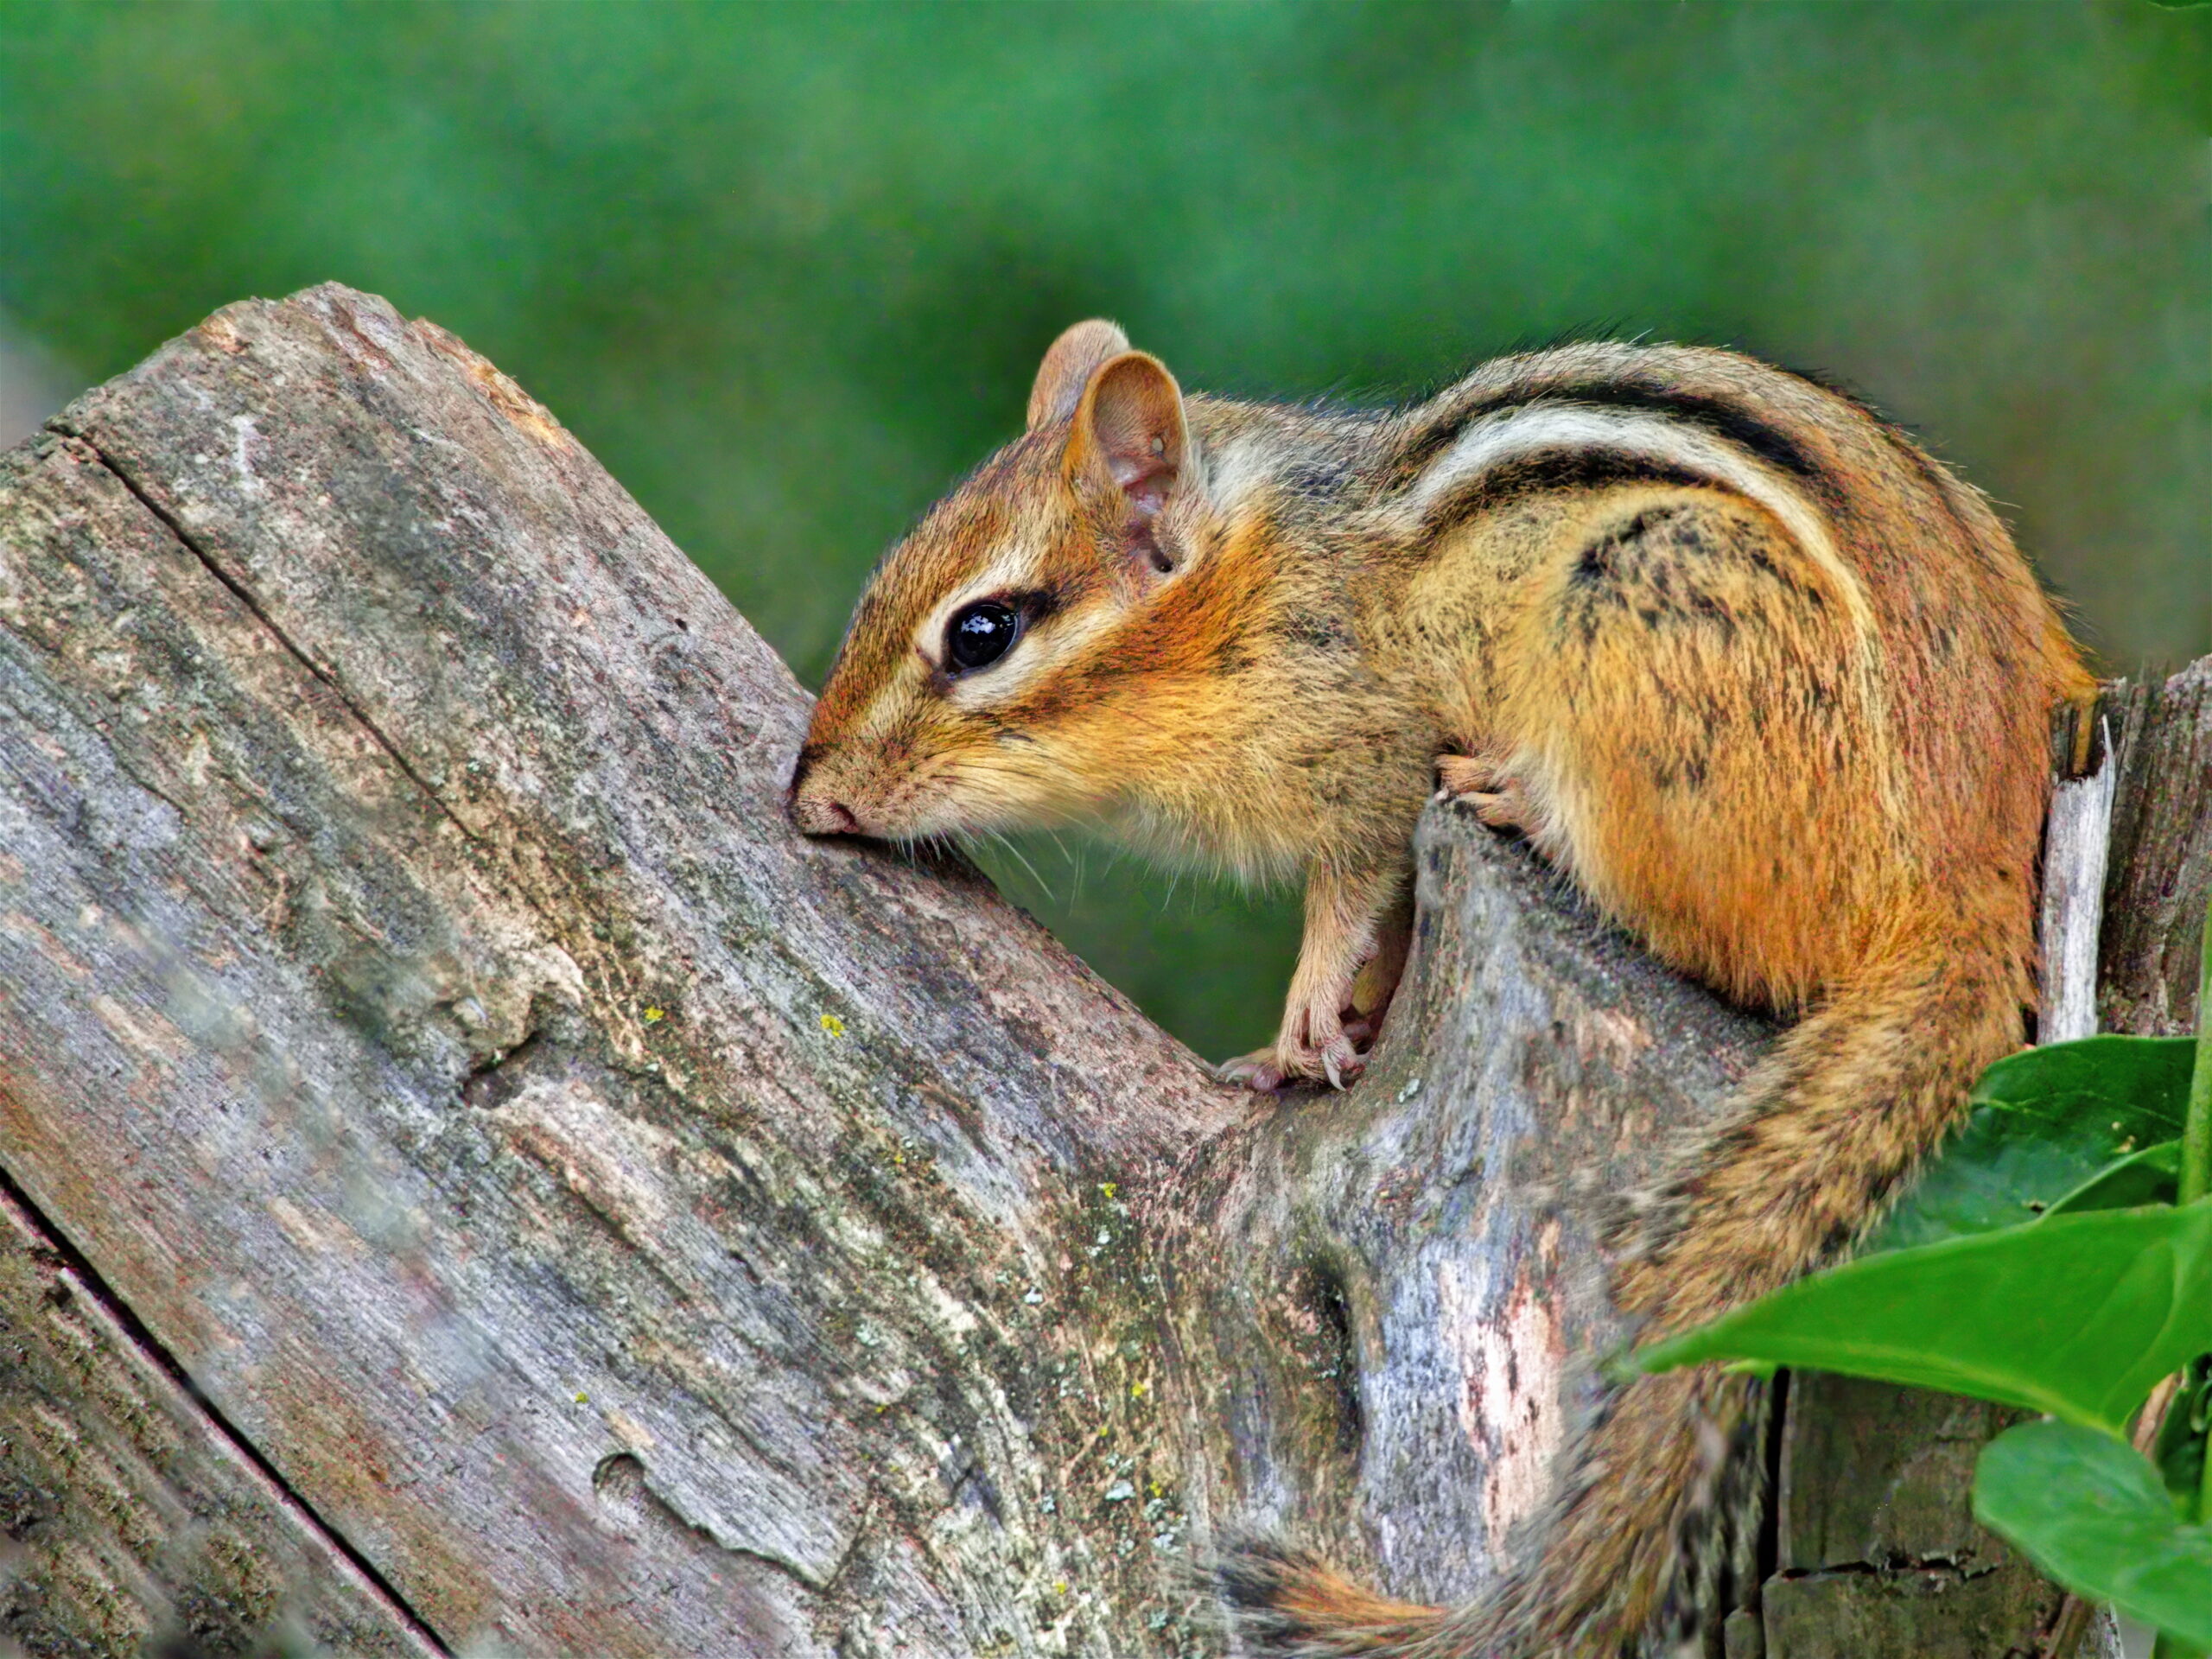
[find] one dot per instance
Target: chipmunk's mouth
(847, 790)
(833, 793)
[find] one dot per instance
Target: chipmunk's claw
(1342, 1062)
(1327, 1029)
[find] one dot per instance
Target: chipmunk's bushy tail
(1849, 1103)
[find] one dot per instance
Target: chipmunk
(1764, 680)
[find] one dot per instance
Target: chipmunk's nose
(816, 815)
(819, 817)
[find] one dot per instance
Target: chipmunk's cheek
(929, 812)
(948, 799)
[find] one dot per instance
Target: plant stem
(2196, 1177)
(2196, 1129)
(2196, 1145)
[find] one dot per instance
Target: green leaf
(2043, 1122)
(2151, 1176)
(2078, 1315)
(2092, 1512)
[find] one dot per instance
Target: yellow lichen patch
(833, 1025)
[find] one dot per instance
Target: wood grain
(130, 1515)
(2161, 869)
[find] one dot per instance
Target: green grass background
(787, 268)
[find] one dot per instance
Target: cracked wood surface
(604, 1223)
(134, 1516)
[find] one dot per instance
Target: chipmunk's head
(996, 672)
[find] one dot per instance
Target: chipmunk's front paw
(1314, 1044)
(1480, 781)
(1265, 1071)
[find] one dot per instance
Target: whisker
(1018, 857)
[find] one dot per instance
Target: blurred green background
(787, 268)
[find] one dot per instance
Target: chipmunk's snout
(813, 810)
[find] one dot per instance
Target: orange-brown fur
(1768, 682)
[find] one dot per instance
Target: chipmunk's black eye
(980, 634)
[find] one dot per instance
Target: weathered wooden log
(543, 1202)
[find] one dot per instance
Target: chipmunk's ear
(1066, 369)
(1130, 432)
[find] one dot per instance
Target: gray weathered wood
(1414, 1268)
(1879, 1552)
(632, 1229)
(2161, 865)
(132, 1516)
